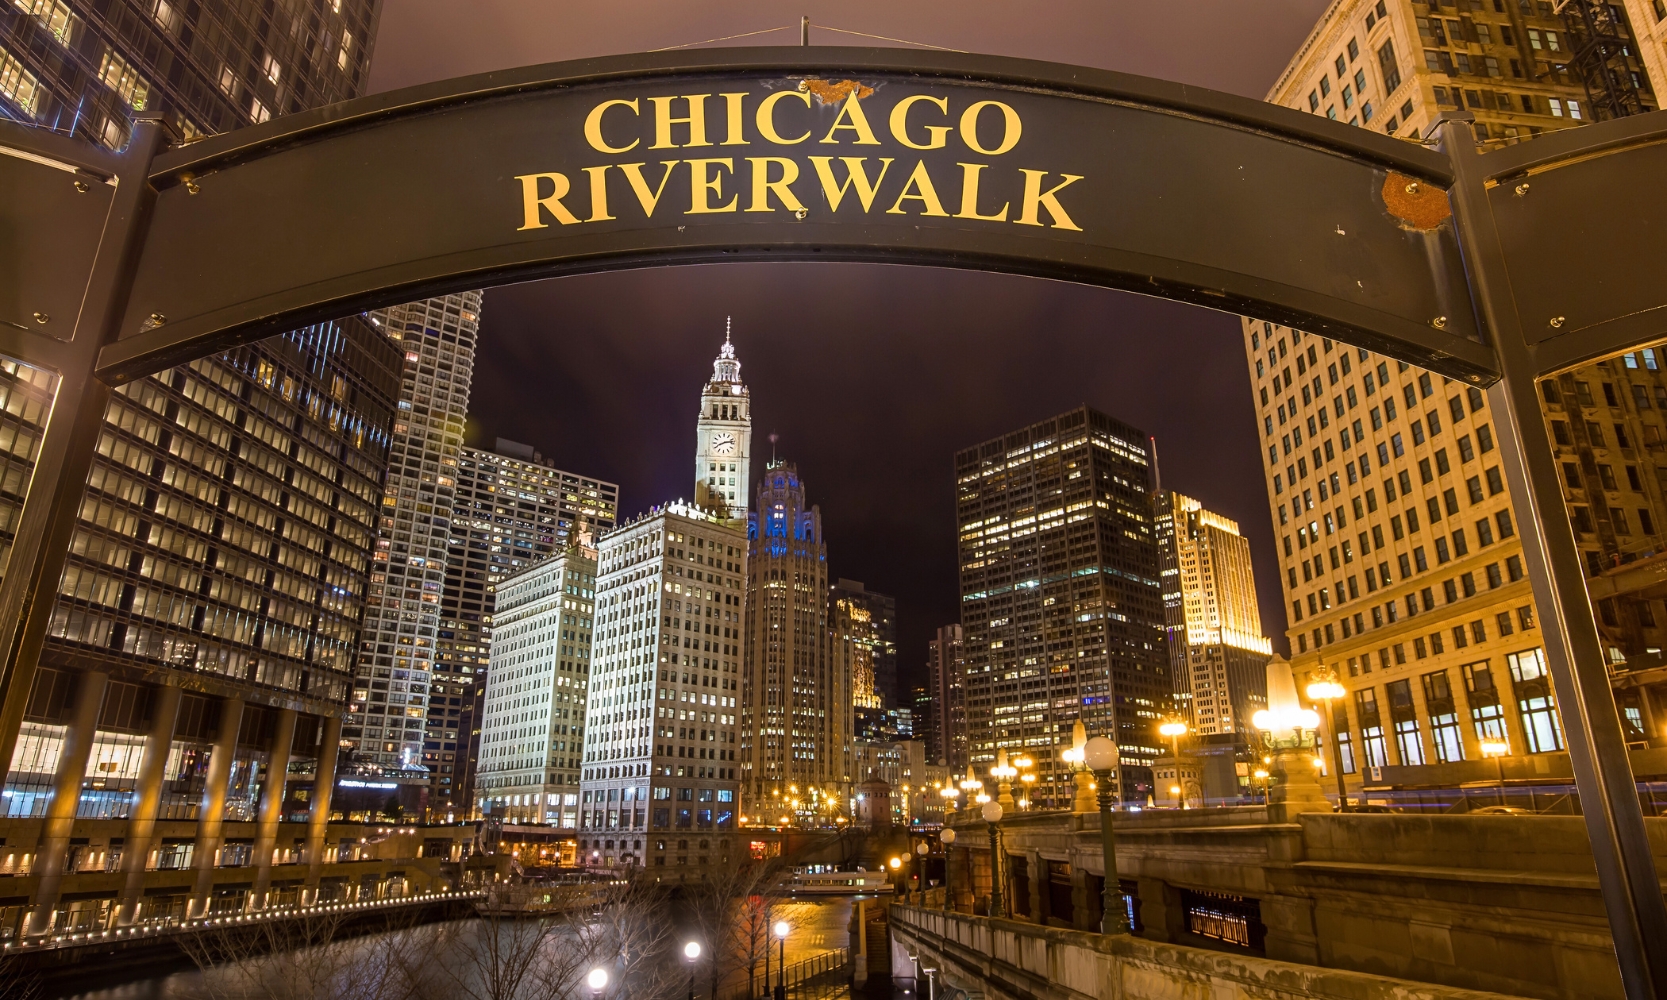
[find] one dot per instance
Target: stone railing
(1009, 960)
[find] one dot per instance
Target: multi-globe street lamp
(1101, 756)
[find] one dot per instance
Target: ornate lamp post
(1497, 749)
(782, 929)
(1327, 689)
(1101, 756)
(992, 817)
(1175, 729)
(948, 837)
(1003, 773)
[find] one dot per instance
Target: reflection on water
(370, 963)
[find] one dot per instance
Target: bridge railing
(1007, 960)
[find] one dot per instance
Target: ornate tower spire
(723, 435)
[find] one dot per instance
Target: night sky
(872, 376)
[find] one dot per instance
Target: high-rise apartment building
(1393, 65)
(723, 437)
(1060, 601)
(854, 639)
(796, 715)
(872, 620)
(513, 510)
(1218, 655)
(946, 691)
(200, 658)
(385, 729)
(660, 782)
(1421, 606)
(532, 720)
(90, 68)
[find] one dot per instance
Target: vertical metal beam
(1574, 652)
(29, 589)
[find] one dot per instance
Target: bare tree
(732, 912)
(312, 957)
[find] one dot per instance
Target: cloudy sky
(872, 376)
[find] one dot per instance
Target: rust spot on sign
(1418, 205)
(832, 93)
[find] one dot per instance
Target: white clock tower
(723, 436)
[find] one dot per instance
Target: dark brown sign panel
(966, 162)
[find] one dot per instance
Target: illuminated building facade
(1218, 655)
(796, 713)
(946, 726)
(513, 510)
(1062, 610)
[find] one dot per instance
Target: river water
(818, 926)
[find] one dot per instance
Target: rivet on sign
(1412, 188)
(801, 213)
(191, 186)
(82, 187)
(804, 86)
(157, 319)
(1522, 189)
(41, 318)
(1557, 321)
(1440, 322)
(1340, 231)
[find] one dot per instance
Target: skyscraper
(1218, 655)
(874, 620)
(723, 437)
(200, 658)
(946, 690)
(513, 510)
(396, 662)
(660, 784)
(532, 719)
(1060, 600)
(796, 715)
(1393, 66)
(89, 68)
(853, 638)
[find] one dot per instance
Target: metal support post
(1574, 653)
(29, 589)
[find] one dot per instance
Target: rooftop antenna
(1157, 473)
(727, 320)
(804, 30)
(773, 437)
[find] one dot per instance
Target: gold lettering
(593, 127)
(1010, 124)
(767, 117)
(701, 187)
(855, 173)
(1035, 198)
(648, 199)
(734, 136)
(850, 116)
(969, 195)
(920, 182)
(598, 194)
(532, 204)
(663, 121)
(900, 123)
(762, 186)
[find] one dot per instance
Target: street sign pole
(1574, 652)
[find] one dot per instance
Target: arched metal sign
(113, 266)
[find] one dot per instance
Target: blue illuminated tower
(795, 707)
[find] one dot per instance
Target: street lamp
(597, 981)
(1003, 773)
(920, 869)
(948, 837)
(1101, 756)
(782, 929)
(691, 954)
(1497, 749)
(1174, 729)
(992, 817)
(1261, 774)
(1328, 690)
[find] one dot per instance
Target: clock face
(723, 444)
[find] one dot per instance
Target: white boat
(829, 883)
